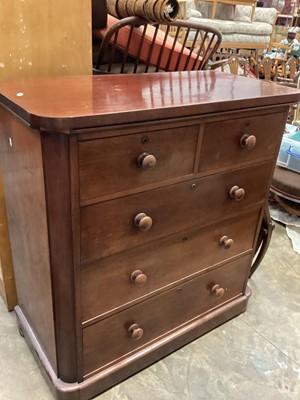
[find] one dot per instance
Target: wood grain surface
(89, 101)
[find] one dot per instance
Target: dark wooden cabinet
(134, 207)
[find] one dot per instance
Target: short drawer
(113, 226)
(129, 330)
(116, 164)
(238, 141)
(118, 280)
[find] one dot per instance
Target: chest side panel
(22, 168)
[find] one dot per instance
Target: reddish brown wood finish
(91, 270)
(79, 102)
(22, 168)
(8, 290)
(109, 339)
(111, 165)
(177, 258)
(108, 228)
(106, 378)
(60, 213)
(223, 146)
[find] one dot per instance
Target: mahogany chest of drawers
(134, 207)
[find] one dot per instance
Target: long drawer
(118, 280)
(120, 163)
(233, 142)
(127, 331)
(113, 226)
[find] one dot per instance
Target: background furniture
(135, 219)
(251, 3)
(182, 14)
(278, 69)
(132, 45)
(234, 22)
(288, 14)
(287, 72)
(182, 9)
(234, 65)
(286, 189)
(266, 69)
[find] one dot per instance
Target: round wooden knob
(217, 291)
(146, 160)
(248, 141)
(143, 221)
(135, 332)
(237, 193)
(226, 242)
(138, 278)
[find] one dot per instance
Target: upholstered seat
(235, 24)
(286, 187)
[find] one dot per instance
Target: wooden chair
(280, 50)
(234, 64)
(287, 72)
(144, 47)
(265, 69)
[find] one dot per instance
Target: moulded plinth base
(121, 370)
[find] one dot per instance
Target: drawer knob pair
(237, 193)
(143, 221)
(226, 242)
(146, 160)
(248, 141)
(217, 291)
(135, 332)
(138, 278)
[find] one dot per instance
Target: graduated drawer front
(114, 281)
(222, 146)
(110, 165)
(108, 227)
(109, 339)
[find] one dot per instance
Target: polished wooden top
(71, 102)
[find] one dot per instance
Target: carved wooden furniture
(134, 206)
(268, 68)
(234, 64)
(288, 72)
